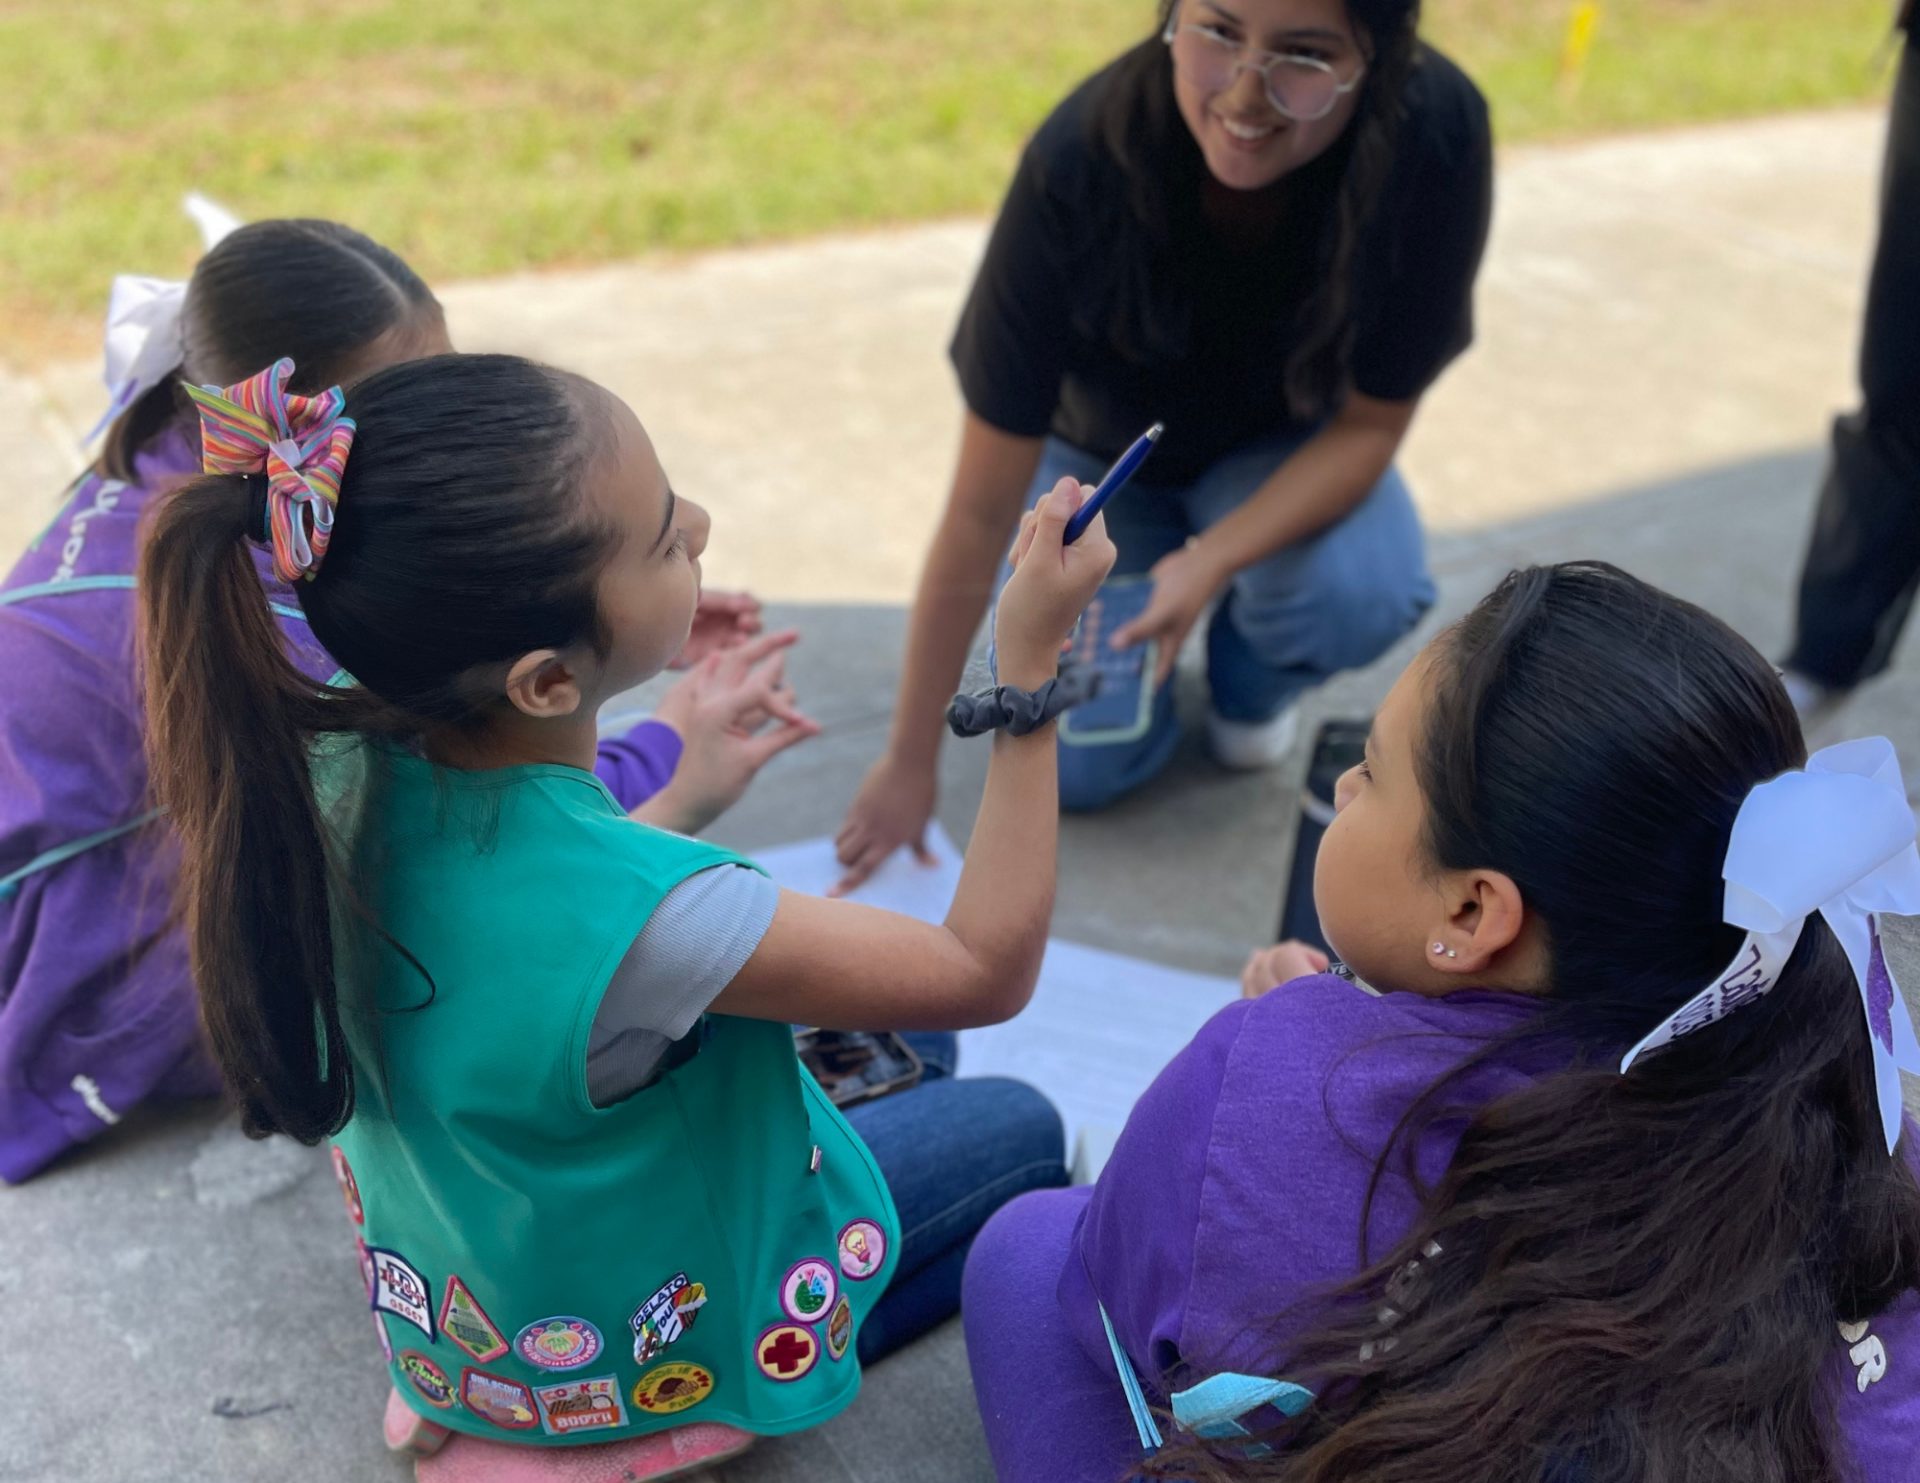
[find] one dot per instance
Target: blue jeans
(1334, 601)
(953, 1151)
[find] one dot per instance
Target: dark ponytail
(1630, 1277)
(462, 541)
(317, 291)
(228, 718)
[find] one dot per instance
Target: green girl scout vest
(542, 1270)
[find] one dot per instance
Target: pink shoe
(407, 1430)
(665, 1454)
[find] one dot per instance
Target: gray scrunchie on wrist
(1017, 712)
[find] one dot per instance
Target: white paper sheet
(903, 884)
(1100, 1027)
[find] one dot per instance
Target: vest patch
(672, 1387)
(808, 1290)
(561, 1343)
(840, 1329)
(400, 1290)
(786, 1351)
(665, 1316)
(427, 1377)
(497, 1399)
(581, 1405)
(863, 1249)
(349, 1187)
(464, 1321)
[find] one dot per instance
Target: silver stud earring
(1439, 947)
(1451, 953)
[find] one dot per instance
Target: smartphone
(1122, 708)
(854, 1066)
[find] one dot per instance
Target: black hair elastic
(259, 522)
(1016, 711)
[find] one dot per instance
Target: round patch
(808, 1290)
(840, 1329)
(561, 1343)
(427, 1377)
(671, 1388)
(349, 1186)
(786, 1351)
(863, 1249)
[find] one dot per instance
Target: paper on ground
(1101, 1025)
(902, 884)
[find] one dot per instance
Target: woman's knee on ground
(1329, 612)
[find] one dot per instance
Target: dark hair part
(1638, 1277)
(313, 290)
(1137, 122)
(463, 541)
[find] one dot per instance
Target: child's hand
(720, 620)
(1269, 967)
(1050, 588)
(735, 712)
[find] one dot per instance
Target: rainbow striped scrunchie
(299, 442)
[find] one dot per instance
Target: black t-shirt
(1053, 340)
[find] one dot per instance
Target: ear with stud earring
(1441, 948)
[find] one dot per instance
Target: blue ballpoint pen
(1124, 468)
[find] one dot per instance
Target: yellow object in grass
(1579, 41)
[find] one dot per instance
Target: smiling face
(1246, 141)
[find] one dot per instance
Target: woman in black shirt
(1261, 226)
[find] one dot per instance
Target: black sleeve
(1011, 345)
(1413, 293)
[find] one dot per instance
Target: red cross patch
(786, 1351)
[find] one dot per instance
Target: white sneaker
(1246, 746)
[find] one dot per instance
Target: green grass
(479, 136)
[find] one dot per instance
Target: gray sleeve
(697, 939)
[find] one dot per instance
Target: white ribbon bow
(143, 343)
(1837, 838)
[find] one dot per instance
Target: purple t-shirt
(1234, 1192)
(97, 1011)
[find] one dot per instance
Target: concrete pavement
(1649, 304)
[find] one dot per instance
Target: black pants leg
(1863, 556)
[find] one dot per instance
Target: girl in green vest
(595, 1194)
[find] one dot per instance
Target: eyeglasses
(1303, 88)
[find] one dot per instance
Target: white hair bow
(143, 321)
(1836, 838)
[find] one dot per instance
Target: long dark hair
(1618, 1277)
(463, 541)
(1137, 123)
(313, 290)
